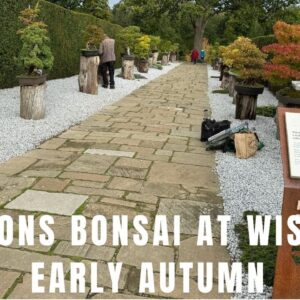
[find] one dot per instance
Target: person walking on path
(108, 58)
(195, 56)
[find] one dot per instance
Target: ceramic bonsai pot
(89, 53)
(285, 99)
(30, 80)
(249, 90)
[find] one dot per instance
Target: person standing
(195, 56)
(108, 59)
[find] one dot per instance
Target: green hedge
(66, 30)
(264, 40)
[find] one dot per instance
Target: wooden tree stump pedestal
(173, 58)
(88, 76)
(225, 81)
(245, 107)
(231, 85)
(164, 60)
(32, 104)
(128, 69)
(155, 57)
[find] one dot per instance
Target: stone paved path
(139, 156)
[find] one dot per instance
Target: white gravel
(65, 106)
(251, 184)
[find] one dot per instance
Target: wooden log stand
(225, 81)
(88, 76)
(32, 104)
(287, 274)
(155, 57)
(245, 107)
(164, 60)
(231, 85)
(128, 68)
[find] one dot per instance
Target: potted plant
(165, 47)
(128, 38)
(284, 64)
(141, 51)
(247, 61)
(154, 46)
(174, 49)
(213, 56)
(36, 58)
(35, 55)
(94, 35)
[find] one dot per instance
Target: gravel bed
(252, 184)
(65, 106)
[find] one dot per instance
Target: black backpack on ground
(210, 128)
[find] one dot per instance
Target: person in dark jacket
(108, 58)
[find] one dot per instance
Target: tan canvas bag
(246, 145)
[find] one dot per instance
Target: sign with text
(293, 136)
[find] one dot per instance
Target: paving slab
(23, 291)
(109, 153)
(53, 203)
(7, 280)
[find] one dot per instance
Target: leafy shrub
(65, 29)
(265, 254)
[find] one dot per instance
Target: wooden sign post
(287, 275)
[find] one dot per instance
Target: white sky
(113, 2)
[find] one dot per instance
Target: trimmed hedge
(66, 31)
(264, 40)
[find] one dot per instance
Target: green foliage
(98, 8)
(264, 40)
(35, 53)
(142, 47)
(128, 37)
(69, 4)
(265, 254)
(266, 111)
(155, 42)
(94, 35)
(165, 46)
(65, 30)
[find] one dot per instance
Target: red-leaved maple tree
(284, 65)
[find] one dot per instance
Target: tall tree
(98, 8)
(69, 4)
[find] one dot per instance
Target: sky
(113, 2)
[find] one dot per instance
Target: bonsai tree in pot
(284, 64)
(93, 37)
(35, 55)
(154, 46)
(174, 48)
(141, 51)
(36, 58)
(165, 47)
(90, 60)
(247, 62)
(213, 55)
(128, 39)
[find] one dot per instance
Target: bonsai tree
(128, 37)
(154, 43)
(284, 57)
(165, 46)
(212, 53)
(245, 59)
(94, 35)
(35, 53)
(142, 47)
(174, 48)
